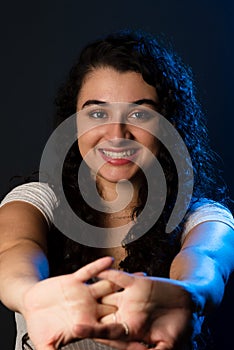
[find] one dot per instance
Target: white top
(42, 197)
(36, 193)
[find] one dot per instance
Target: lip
(119, 156)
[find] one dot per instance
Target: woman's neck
(119, 196)
(118, 201)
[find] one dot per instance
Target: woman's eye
(98, 115)
(141, 115)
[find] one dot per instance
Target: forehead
(108, 85)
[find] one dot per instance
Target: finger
(102, 288)
(93, 269)
(112, 299)
(103, 310)
(143, 274)
(120, 278)
(109, 318)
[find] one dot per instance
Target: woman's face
(115, 121)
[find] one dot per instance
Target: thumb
(141, 274)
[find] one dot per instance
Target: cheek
(84, 144)
(87, 142)
(149, 141)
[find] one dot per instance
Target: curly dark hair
(160, 67)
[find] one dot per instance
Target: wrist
(198, 299)
(14, 296)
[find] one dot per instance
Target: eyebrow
(147, 101)
(92, 102)
(138, 102)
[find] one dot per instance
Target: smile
(119, 155)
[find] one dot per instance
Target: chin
(118, 176)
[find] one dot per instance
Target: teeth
(118, 155)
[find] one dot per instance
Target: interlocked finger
(101, 288)
(93, 269)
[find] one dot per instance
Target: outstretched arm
(52, 307)
(205, 262)
(23, 259)
(164, 312)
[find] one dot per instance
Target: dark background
(39, 42)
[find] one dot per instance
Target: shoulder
(205, 210)
(39, 194)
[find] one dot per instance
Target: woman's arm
(23, 259)
(164, 311)
(205, 262)
(52, 307)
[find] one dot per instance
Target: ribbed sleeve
(38, 194)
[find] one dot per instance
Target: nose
(118, 131)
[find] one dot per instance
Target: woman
(119, 87)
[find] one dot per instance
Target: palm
(54, 307)
(157, 311)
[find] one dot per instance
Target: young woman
(126, 89)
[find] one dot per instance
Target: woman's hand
(155, 311)
(55, 306)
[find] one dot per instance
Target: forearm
(202, 276)
(22, 252)
(205, 262)
(20, 268)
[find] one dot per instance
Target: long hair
(160, 67)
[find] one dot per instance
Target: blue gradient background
(40, 41)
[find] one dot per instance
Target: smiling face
(115, 117)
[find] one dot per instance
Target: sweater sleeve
(38, 194)
(206, 210)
